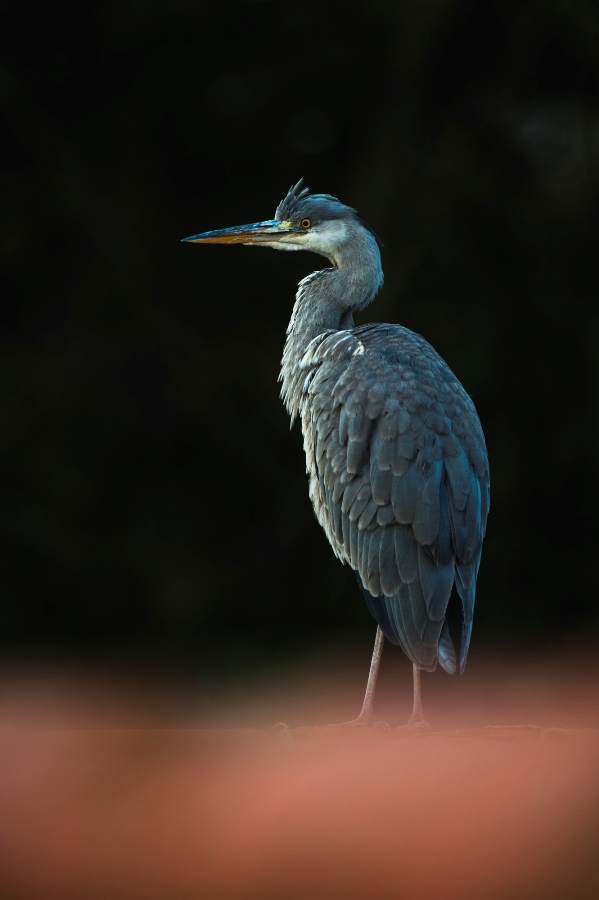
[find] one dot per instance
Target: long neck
(325, 302)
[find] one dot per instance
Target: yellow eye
(305, 223)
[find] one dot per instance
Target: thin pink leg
(367, 713)
(417, 720)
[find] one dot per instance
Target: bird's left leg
(417, 722)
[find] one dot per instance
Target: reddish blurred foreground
(179, 812)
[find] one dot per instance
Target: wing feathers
(436, 582)
(382, 482)
(350, 494)
(399, 478)
(446, 651)
(388, 568)
(354, 457)
(367, 514)
(404, 496)
(385, 515)
(373, 572)
(406, 553)
(426, 514)
(383, 450)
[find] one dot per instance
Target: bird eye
(305, 223)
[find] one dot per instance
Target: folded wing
(399, 480)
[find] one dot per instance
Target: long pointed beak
(258, 233)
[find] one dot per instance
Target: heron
(395, 452)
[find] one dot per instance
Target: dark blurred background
(154, 505)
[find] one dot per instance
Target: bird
(395, 451)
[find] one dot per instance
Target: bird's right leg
(366, 717)
(367, 714)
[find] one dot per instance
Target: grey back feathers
(395, 452)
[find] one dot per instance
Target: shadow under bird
(395, 452)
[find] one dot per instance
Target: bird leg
(366, 717)
(367, 714)
(417, 722)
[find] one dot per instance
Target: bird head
(303, 221)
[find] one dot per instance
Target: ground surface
(510, 810)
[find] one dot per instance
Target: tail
(403, 620)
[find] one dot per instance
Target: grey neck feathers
(325, 302)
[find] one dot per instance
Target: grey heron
(395, 452)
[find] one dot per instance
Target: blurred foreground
(111, 788)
